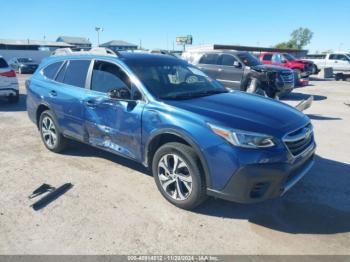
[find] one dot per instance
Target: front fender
(185, 136)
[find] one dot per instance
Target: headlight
(243, 138)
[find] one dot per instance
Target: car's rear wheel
(339, 76)
(176, 170)
(50, 134)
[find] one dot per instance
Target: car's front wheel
(50, 134)
(176, 170)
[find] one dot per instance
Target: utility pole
(98, 30)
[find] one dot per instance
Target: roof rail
(92, 51)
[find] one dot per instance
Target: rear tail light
(11, 73)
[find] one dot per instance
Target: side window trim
(59, 70)
(89, 75)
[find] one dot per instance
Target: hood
(239, 110)
(270, 68)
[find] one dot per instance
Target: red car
(303, 68)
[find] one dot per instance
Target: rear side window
(3, 63)
(209, 59)
(51, 70)
(267, 57)
(75, 73)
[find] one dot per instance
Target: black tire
(61, 142)
(339, 76)
(13, 99)
(192, 162)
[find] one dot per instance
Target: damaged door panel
(114, 125)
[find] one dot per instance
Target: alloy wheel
(175, 177)
(48, 131)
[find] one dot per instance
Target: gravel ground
(115, 207)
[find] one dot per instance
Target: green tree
(300, 38)
(287, 45)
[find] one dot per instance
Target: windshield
(248, 59)
(25, 60)
(175, 80)
(289, 57)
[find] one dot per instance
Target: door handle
(90, 103)
(53, 93)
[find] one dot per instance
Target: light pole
(98, 30)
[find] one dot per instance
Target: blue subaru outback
(197, 138)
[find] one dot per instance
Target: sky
(157, 23)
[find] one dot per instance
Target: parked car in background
(198, 138)
(23, 65)
(8, 82)
(243, 71)
(339, 62)
(302, 68)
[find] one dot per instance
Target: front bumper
(258, 182)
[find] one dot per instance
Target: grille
(287, 77)
(298, 141)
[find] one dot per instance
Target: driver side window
(107, 77)
(276, 58)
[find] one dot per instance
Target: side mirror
(237, 64)
(120, 94)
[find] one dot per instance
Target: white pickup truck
(340, 62)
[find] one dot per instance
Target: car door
(66, 94)
(230, 72)
(113, 124)
(341, 62)
(208, 64)
(333, 62)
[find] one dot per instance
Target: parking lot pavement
(114, 206)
